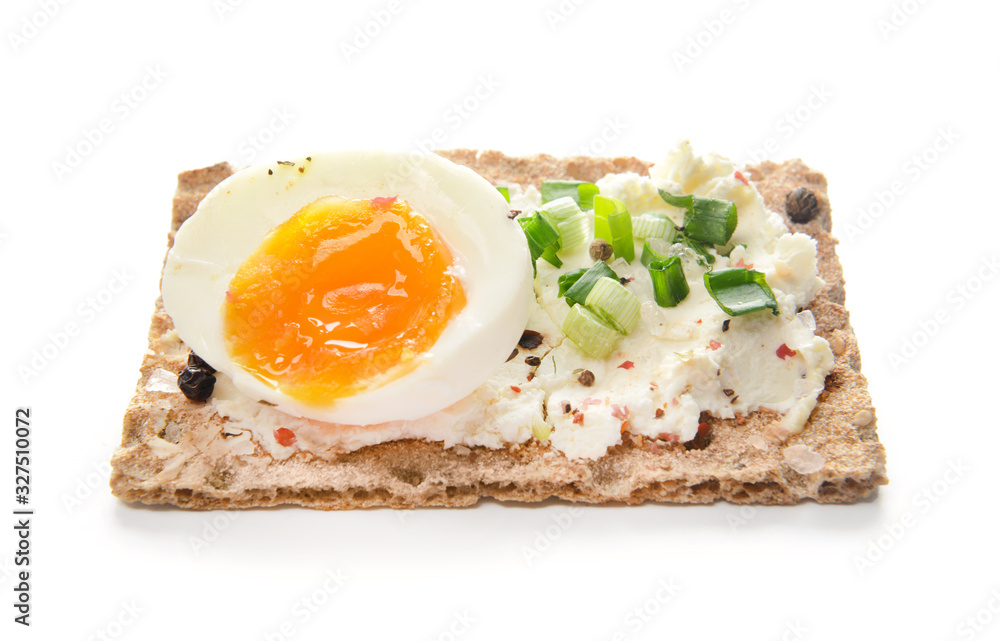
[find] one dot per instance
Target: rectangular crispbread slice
(178, 452)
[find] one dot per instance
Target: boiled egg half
(351, 287)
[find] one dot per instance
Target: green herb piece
(505, 192)
(543, 239)
(706, 219)
(670, 286)
(614, 304)
(591, 334)
(613, 223)
(582, 192)
(740, 291)
(576, 285)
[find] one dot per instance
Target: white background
(603, 78)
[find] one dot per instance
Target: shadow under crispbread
(174, 451)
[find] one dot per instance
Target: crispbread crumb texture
(168, 453)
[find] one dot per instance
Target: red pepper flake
(587, 402)
(714, 344)
(699, 442)
(380, 201)
(740, 177)
(675, 402)
(624, 427)
(626, 365)
(698, 322)
(517, 390)
(659, 412)
(740, 263)
(669, 437)
(530, 376)
(785, 352)
(578, 418)
(621, 413)
(284, 436)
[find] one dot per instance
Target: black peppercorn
(534, 361)
(196, 383)
(586, 378)
(801, 205)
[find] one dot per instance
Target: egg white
(491, 257)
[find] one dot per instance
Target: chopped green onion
(591, 334)
(560, 209)
(670, 286)
(582, 192)
(567, 217)
(681, 202)
(574, 232)
(652, 226)
(543, 239)
(616, 305)
(567, 280)
(706, 219)
(740, 291)
(654, 249)
(613, 223)
(576, 285)
(505, 192)
(714, 221)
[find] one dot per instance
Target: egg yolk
(343, 296)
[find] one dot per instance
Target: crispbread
(175, 451)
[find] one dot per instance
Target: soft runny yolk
(341, 294)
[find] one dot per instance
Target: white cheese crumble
(678, 363)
